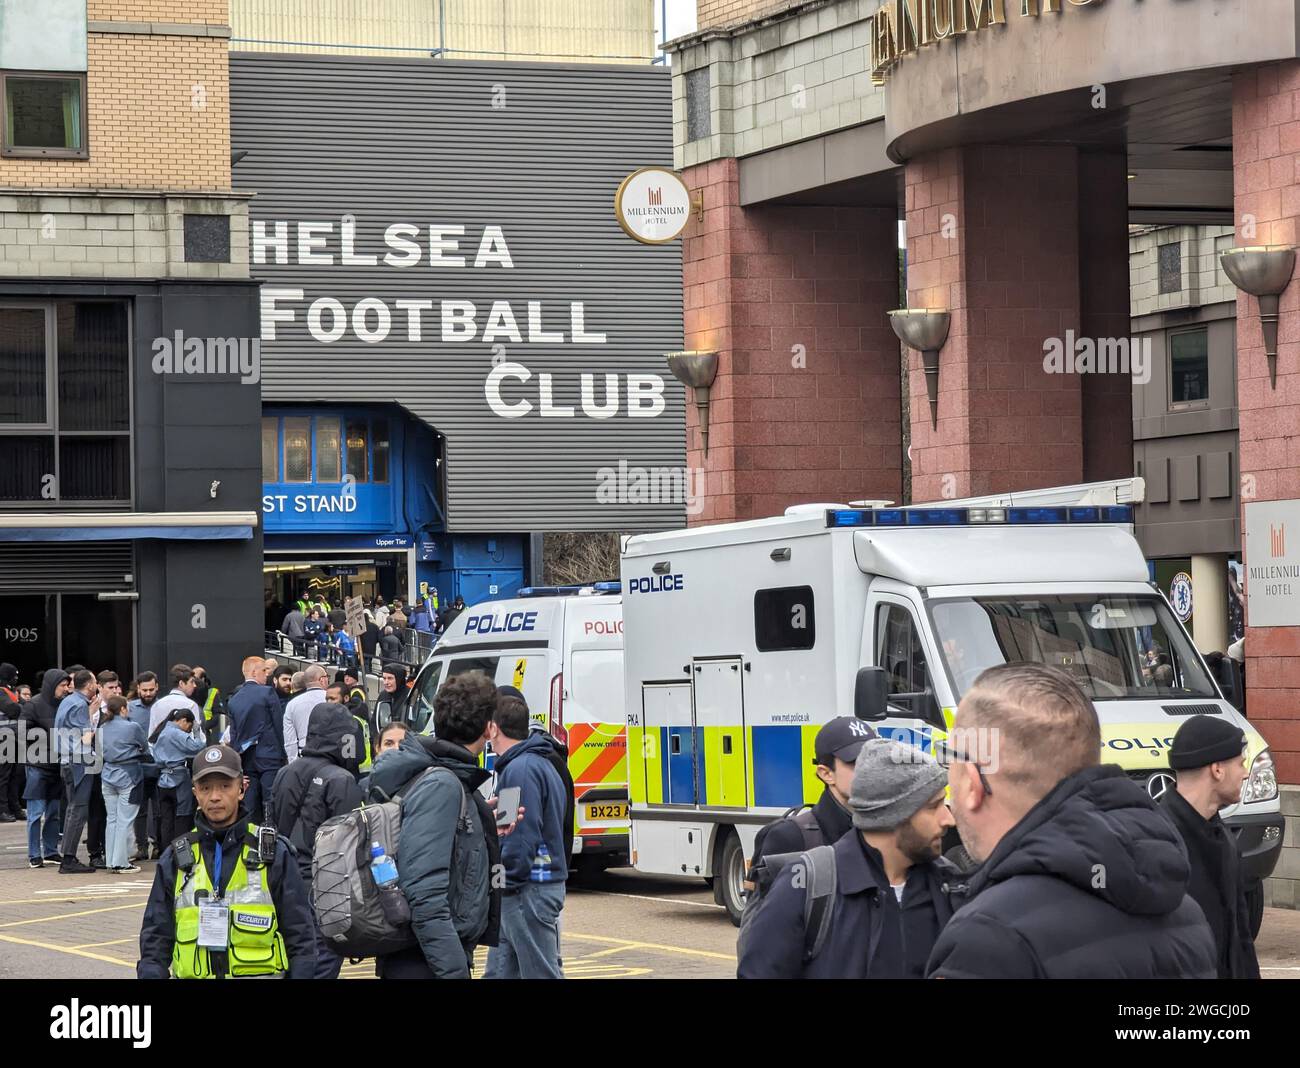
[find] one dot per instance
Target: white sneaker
(130, 869)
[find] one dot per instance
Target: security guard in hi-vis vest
(228, 901)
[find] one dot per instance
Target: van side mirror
(871, 694)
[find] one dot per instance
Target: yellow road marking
(73, 915)
(93, 945)
(607, 952)
(66, 949)
(648, 945)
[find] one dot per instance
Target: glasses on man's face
(946, 754)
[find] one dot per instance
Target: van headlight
(1261, 783)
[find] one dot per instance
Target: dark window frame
(811, 629)
(1189, 405)
(52, 429)
(20, 152)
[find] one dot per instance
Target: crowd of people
(1066, 868)
(317, 630)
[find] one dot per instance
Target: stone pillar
(996, 234)
(1210, 602)
(806, 406)
(1105, 312)
(1266, 148)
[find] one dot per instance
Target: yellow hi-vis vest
(366, 759)
(255, 946)
(207, 704)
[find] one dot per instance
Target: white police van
(743, 639)
(562, 647)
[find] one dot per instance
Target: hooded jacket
(318, 785)
(38, 721)
(387, 705)
(292, 905)
(444, 869)
(1090, 884)
(527, 765)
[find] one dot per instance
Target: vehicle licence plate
(616, 810)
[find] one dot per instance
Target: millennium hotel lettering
(900, 27)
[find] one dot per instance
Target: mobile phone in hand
(508, 806)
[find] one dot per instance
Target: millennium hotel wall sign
(900, 27)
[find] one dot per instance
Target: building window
(379, 460)
(329, 451)
(270, 450)
(1171, 267)
(1189, 368)
(358, 467)
(65, 419)
(297, 450)
(784, 619)
(45, 115)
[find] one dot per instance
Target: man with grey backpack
(871, 905)
(447, 851)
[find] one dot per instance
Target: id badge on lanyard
(214, 914)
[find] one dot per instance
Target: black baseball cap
(843, 737)
(217, 760)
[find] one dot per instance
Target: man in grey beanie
(892, 889)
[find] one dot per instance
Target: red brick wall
(1266, 141)
(992, 235)
(770, 288)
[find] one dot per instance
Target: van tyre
(729, 881)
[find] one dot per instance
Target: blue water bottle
(382, 867)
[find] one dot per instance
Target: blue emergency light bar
(975, 517)
(570, 591)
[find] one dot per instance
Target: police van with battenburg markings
(742, 639)
(562, 647)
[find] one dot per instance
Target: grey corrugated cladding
(419, 141)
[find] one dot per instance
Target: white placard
(653, 205)
(1273, 563)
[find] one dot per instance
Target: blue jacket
(257, 720)
(173, 751)
(872, 935)
(124, 744)
(73, 715)
(543, 795)
(138, 712)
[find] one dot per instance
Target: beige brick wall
(54, 236)
(1204, 281)
(213, 12)
(158, 111)
(714, 13)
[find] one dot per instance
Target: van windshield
(1114, 646)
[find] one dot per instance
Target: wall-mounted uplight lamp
(1264, 272)
(697, 370)
(926, 330)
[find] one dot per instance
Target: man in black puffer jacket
(312, 789)
(1081, 875)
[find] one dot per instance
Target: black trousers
(96, 820)
(146, 820)
(13, 778)
(175, 812)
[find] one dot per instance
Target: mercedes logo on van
(1159, 784)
